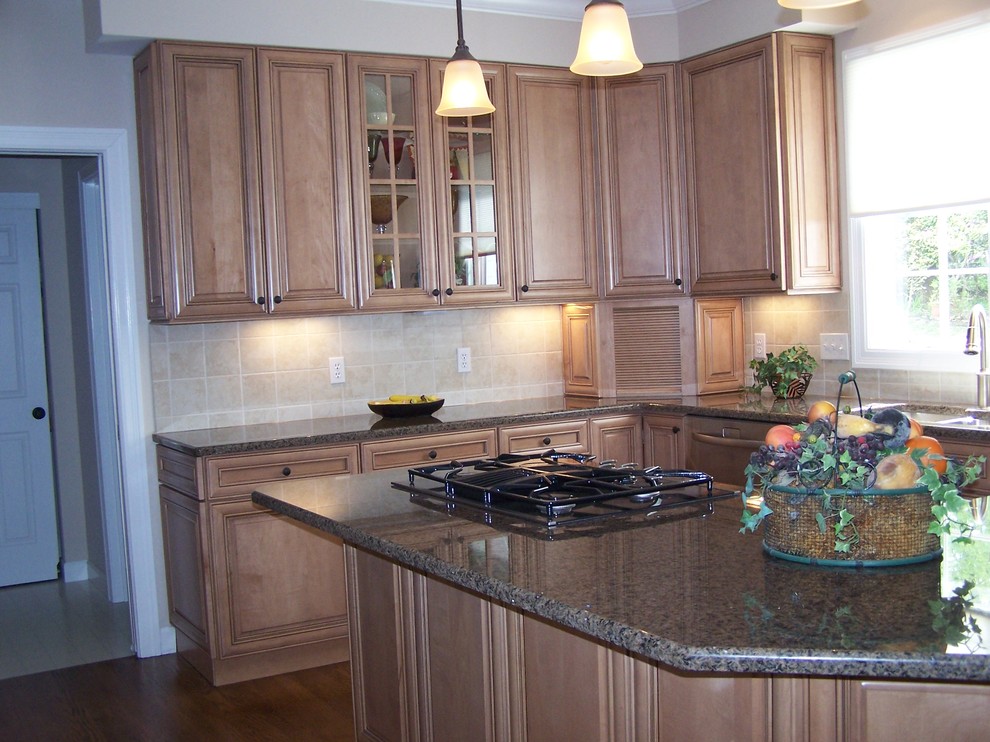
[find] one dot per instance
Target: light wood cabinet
(760, 167)
(432, 661)
(243, 219)
(251, 593)
(663, 441)
(425, 449)
(553, 187)
(618, 439)
(640, 182)
(721, 358)
(563, 436)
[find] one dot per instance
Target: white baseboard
(75, 571)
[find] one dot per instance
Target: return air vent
(647, 350)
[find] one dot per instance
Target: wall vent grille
(647, 349)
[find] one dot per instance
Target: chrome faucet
(978, 345)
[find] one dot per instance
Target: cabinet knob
(524, 288)
(432, 454)
(38, 413)
(261, 300)
(277, 299)
(546, 441)
(286, 471)
(773, 276)
(678, 282)
(436, 292)
(675, 430)
(448, 291)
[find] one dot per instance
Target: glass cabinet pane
(472, 220)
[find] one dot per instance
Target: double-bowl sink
(967, 419)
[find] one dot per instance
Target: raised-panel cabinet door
(731, 172)
(308, 228)
(618, 439)
(474, 231)
(553, 190)
(641, 189)
(212, 180)
(662, 440)
(392, 176)
(283, 584)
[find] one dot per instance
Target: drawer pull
(546, 441)
(286, 471)
(432, 454)
(675, 430)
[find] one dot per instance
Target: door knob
(38, 413)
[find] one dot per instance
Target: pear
(897, 472)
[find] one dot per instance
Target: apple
(820, 409)
(780, 435)
(897, 472)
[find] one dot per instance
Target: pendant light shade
(814, 4)
(605, 48)
(464, 92)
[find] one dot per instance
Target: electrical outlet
(337, 375)
(835, 346)
(760, 345)
(463, 360)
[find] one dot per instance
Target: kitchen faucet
(974, 346)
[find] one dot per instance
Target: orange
(916, 429)
(934, 458)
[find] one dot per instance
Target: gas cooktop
(559, 489)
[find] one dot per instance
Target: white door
(28, 530)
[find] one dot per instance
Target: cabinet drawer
(236, 475)
(179, 471)
(405, 452)
(571, 435)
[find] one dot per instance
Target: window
(918, 184)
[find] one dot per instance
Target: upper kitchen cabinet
(240, 219)
(553, 188)
(393, 182)
(638, 150)
(471, 170)
(760, 167)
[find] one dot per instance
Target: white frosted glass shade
(464, 92)
(605, 47)
(813, 4)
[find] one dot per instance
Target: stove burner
(556, 487)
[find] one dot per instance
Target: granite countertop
(357, 428)
(687, 590)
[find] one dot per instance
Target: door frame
(151, 633)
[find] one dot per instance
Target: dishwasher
(721, 446)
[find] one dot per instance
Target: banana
(854, 425)
(412, 398)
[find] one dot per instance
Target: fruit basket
(406, 405)
(856, 490)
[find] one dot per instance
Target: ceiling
(571, 10)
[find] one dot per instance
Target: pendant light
(464, 92)
(814, 4)
(605, 48)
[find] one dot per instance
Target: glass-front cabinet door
(472, 211)
(395, 220)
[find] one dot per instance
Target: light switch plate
(835, 346)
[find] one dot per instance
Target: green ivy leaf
(822, 526)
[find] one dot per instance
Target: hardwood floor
(164, 698)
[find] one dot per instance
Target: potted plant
(788, 374)
(856, 490)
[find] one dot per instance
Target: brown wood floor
(164, 698)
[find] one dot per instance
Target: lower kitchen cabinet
(618, 439)
(433, 661)
(251, 593)
(662, 441)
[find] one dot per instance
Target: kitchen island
(643, 629)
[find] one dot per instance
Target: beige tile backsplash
(211, 375)
(788, 320)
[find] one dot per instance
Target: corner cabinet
(232, 144)
(555, 227)
(640, 175)
(250, 593)
(760, 167)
